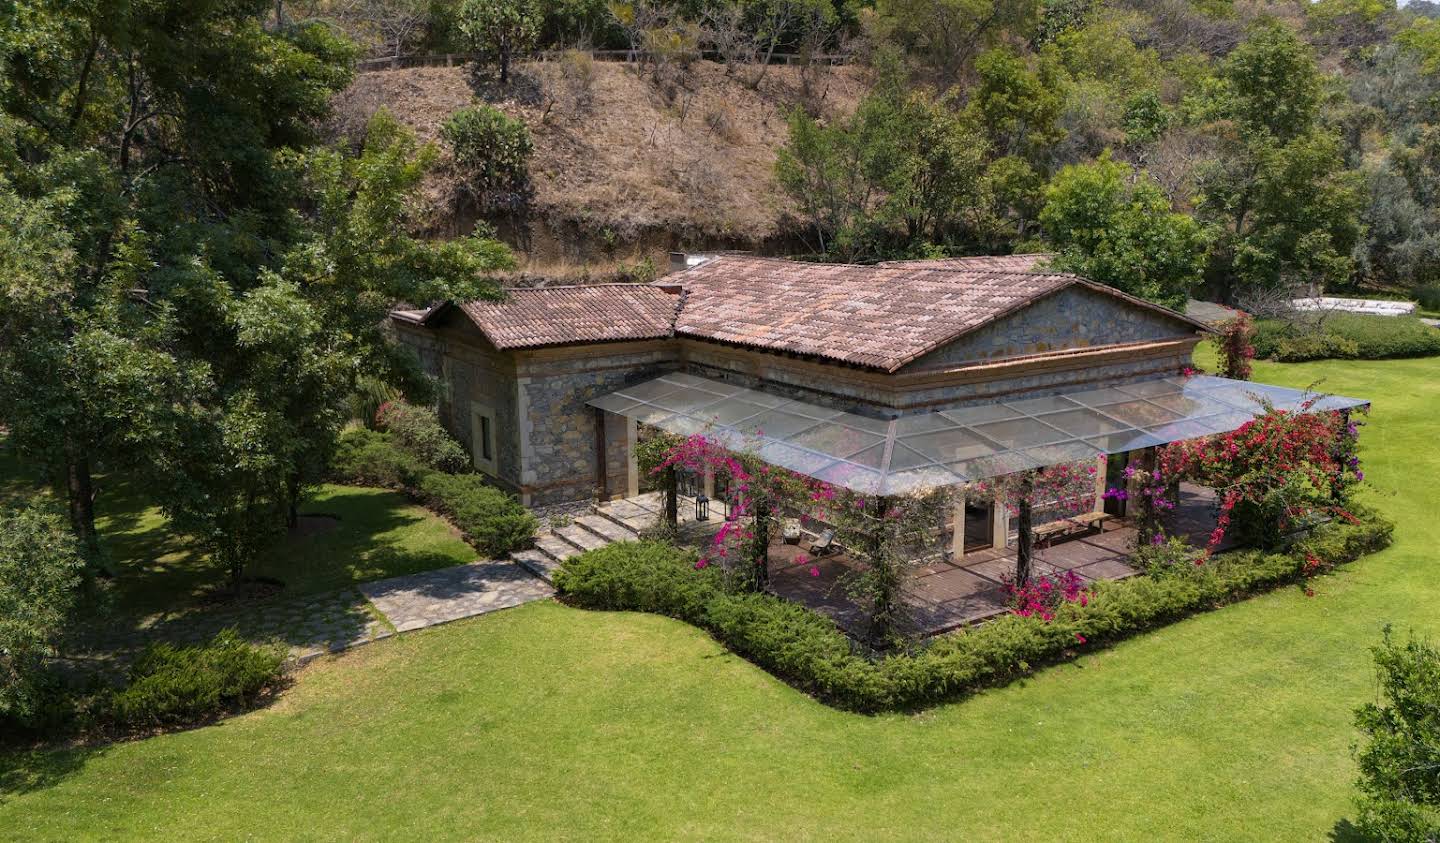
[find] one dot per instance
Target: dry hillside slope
(650, 162)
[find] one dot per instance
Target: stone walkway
(338, 620)
(435, 597)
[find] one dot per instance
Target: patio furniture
(1071, 525)
(823, 544)
(790, 530)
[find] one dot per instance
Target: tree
(143, 142)
(40, 569)
(1281, 203)
(900, 174)
(947, 34)
(503, 29)
(1399, 787)
(1112, 224)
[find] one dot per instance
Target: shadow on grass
(26, 770)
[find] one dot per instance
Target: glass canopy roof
(950, 447)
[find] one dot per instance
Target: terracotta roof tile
(993, 263)
(879, 316)
(539, 316)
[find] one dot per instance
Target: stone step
(605, 528)
(537, 562)
(581, 537)
(555, 548)
(627, 515)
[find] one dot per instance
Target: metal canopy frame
(952, 447)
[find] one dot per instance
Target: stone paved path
(434, 597)
(337, 620)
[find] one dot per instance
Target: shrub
(492, 149)
(169, 684)
(1346, 335)
(1429, 297)
(40, 571)
(418, 430)
(369, 458)
(493, 521)
(1400, 762)
(808, 650)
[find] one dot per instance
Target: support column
(1101, 464)
(709, 483)
(602, 459)
(632, 467)
(999, 526)
(957, 528)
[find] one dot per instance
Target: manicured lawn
(547, 722)
(159, 572)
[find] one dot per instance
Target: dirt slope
(650, 162)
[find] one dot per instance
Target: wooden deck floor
(944, 595)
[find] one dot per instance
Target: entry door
(978, 526)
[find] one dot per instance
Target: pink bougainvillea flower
(701, 564)
(814, 571)
(1079, 639)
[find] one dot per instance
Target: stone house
(882, 341)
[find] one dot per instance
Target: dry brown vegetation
(623, 164)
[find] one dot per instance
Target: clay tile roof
(994, 263)
(540, 316)
(881, 316)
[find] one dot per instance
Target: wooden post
(632, 466)
(1025, 541)
(999, 526)
(602, 464)
(1101, 464)
(957, 529)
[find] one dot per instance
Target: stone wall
(1075, 317)
(558, 429)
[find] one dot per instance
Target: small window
(483, 431)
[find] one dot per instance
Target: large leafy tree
(898, 176)
(1282, 204)
(137, 165)
(192, 283)
(1115, 226)
(503, 29)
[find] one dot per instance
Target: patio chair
(823, 544)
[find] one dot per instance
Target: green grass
(549, 722)
(161, 573)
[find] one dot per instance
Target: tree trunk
(292, 515)
(1024, 543)
(760, 548)
(672, 496)
(504, 65)
(80, 492)
(884, 610)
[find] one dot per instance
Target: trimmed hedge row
(494, 522)
(806, 648)
(1346, 336)
(168, 685)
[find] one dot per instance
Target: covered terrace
(954, 449)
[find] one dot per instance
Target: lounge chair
(823, 544)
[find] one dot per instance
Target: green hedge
(168, 684)
(1346, 336)
(806, 648)
(494, 522)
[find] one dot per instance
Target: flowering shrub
(806, 648)
(1236, 347)
(1042, 595)
(1274, 474)
(418, 431)
(1069, 487)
